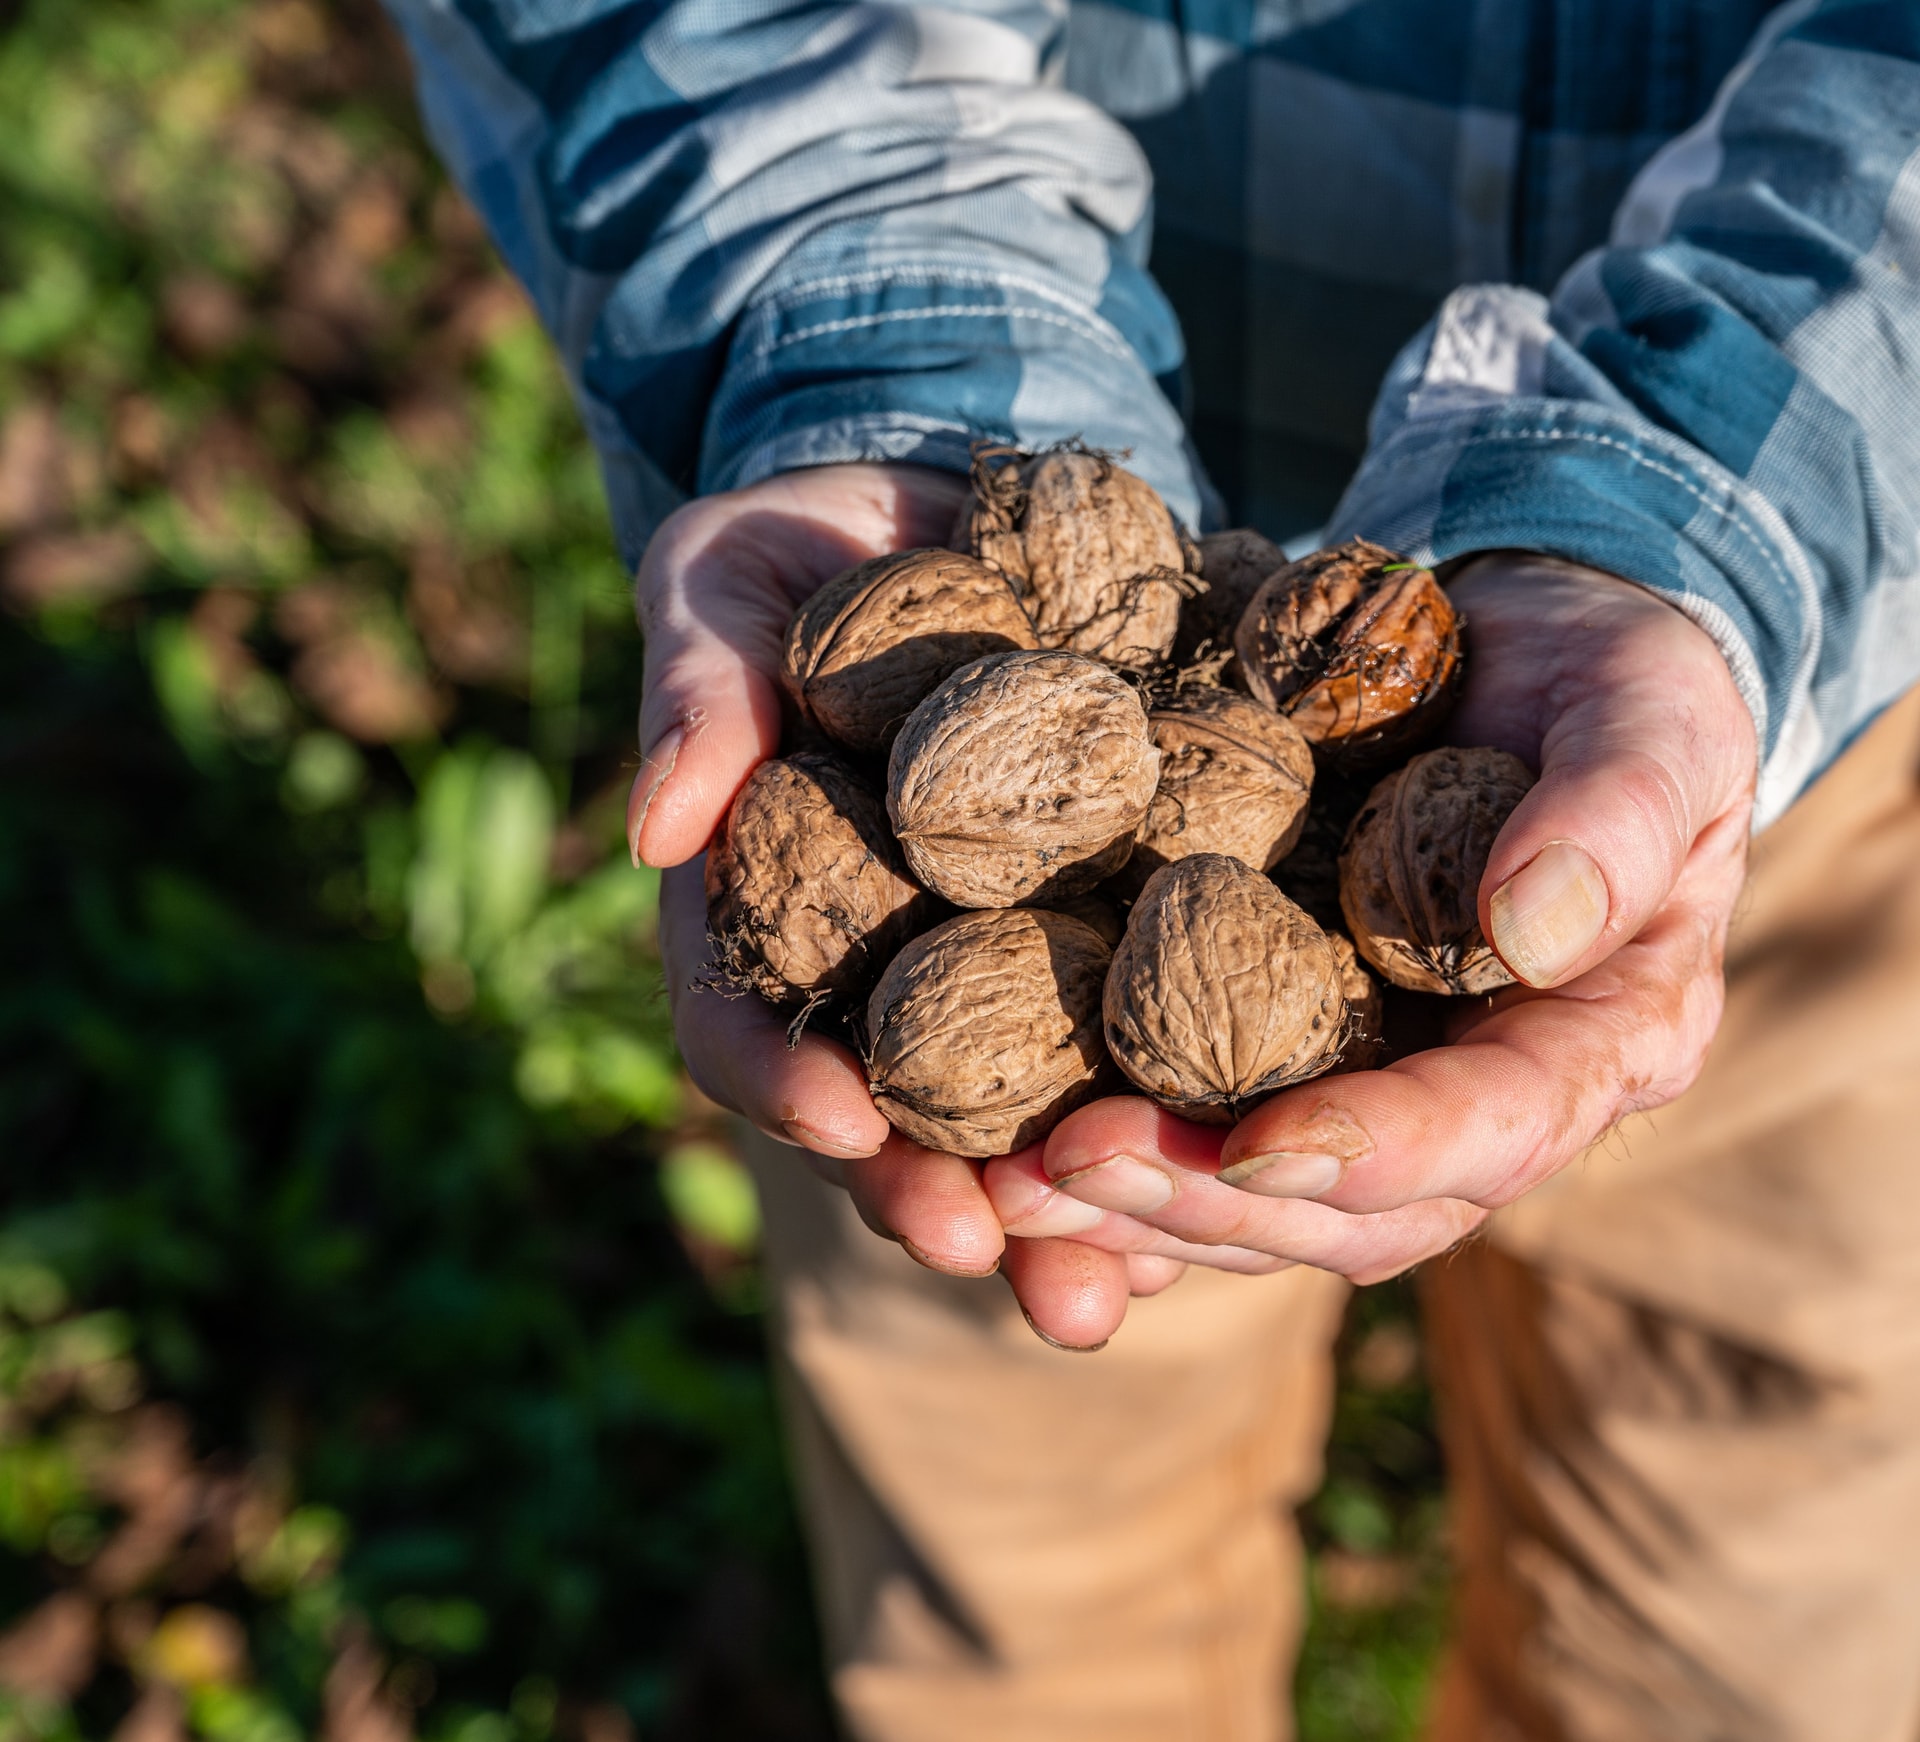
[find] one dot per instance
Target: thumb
(1645, 744)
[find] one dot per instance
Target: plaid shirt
(1641, 278)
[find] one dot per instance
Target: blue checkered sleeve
(767, 235)
(1722, 403)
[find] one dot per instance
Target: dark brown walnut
(1234, 779)
(1359, 649)
(1410, 873)
(1091, 550)
(1222, 991)
(807, 894)
(1366, 1041)
(1310, 873)
(1022, 778)
(1233, 564)
(984, 1033)
(873, 643)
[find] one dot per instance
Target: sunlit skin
(1647, 758)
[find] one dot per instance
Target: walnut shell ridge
(1234, 778)
(866, 649)
(984, 1033)
(1233, 564)
(1361, 651)
(807, 894)
(1222, 991)
(1022, 778)
(1091, 549)
(1410, 872)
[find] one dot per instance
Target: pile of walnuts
(1079, 804)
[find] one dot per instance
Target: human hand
(714, 594)
(1608, 893)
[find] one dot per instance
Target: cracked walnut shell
(984, 1033)
(865, 650)
(1410, 872)
(1360, 650)
(807, 894)
(1234, 778)
(1222, 991)
(1022, 778)
(1091, 550)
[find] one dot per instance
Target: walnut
(1233, 564)
(1095, 910)
(870, 645)
(1090, 548)
(1021, 779)
(1410, 873)
(1359, 650)
(807, 894)
(1222, 991)
(1234, 779)
(985, 1032)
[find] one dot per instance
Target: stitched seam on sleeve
(957, 311)
(1728, 512)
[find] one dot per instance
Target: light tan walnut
(1022, 778)
(984, 1033)
(1222, 991)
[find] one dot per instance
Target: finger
(1522, 1091)
(1031, 1207)
(1149, 1276)
(1074, 1296)
(813, 1093)
(714, 594)
(933, 1204)
(1131, 1152)
(1645, 743)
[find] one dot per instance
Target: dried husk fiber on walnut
(865, 650)
(1022, 778)
(1365, 1045)
(1410, 873)
(1360, 650)
(1234, 778)
(807, 893)
(1091, 550)
(1233, 564)
(1222, 991)
(984, 1033)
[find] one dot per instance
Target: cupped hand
(715, 591)
(1608, 894)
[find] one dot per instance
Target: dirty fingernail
(824, 1142)
(1131, 1187)
(1548, 914)
(655, 766)
(1064, 1348)
(1055, 1215)
(1284, 1173)
(945, 1266)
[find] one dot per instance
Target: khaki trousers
(1680, 1395)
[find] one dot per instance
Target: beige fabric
(1681, 1395)
(1019, 1543)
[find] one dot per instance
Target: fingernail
(655, 766)
(1548, 914)
(1284, 1173)
(945, 1266)
(1132, 1187)
(824, 1143)
(1064, 1348)
(1055, 1214)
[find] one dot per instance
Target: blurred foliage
(378, 1351)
